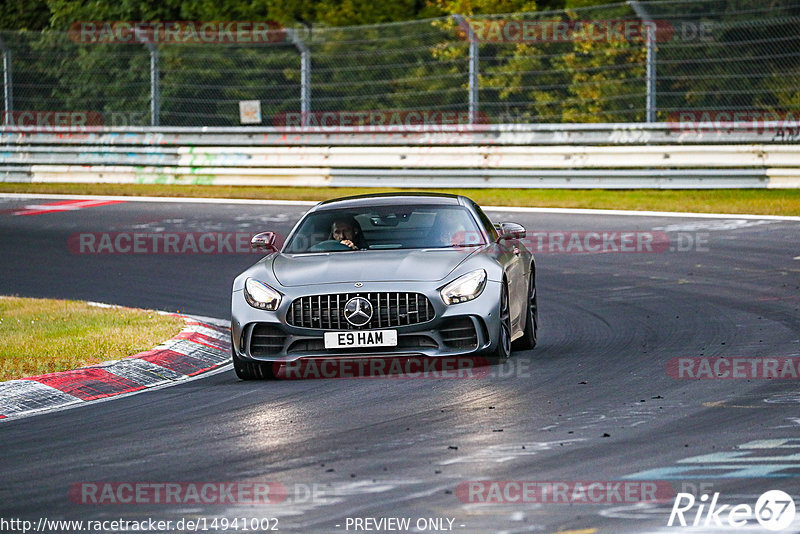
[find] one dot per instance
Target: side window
(486, 222)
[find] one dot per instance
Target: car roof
(391, 199)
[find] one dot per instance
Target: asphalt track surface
(593, 402)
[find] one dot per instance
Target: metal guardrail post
(155, 86)
(8, 93)
(305, 75)
(650, 74)
(155, 89)
(473, 103)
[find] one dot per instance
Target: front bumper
(463, 329)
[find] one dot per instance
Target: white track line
(568, 211)
(176, 200)
(684, 214)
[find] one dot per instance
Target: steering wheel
(329, 245)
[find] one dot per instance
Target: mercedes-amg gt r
(425, 275)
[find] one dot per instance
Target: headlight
(260, 295)
(464, 288)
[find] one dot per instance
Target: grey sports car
(385, 275)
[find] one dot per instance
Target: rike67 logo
(774, 510)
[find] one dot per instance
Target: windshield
(389, 227)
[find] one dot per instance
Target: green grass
(755, 201)
(40, 336)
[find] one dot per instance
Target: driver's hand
(349, 244)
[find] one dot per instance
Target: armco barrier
(496, 134)
(513, 156)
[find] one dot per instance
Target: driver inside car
(347, 231)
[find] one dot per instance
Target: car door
(509, 254)
(518, 289)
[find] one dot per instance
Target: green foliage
(31, 15)
(362, 58)
(483, 7)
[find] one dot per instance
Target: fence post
(155, 86)
(8, 94)
(650, 73)
(155, 93)
(305, 75)
(473, 104)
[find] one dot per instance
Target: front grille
(459, 333)
(266, 339)
(390, 309)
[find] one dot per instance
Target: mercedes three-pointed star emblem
(358, 311)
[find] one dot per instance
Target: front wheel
(503, 350)
(252, 370)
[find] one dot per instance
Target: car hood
(367, 266)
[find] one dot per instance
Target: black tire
(503, 350)
(252, 370)
(528, 339)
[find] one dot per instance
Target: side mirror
(264, 241)
(510, 230)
